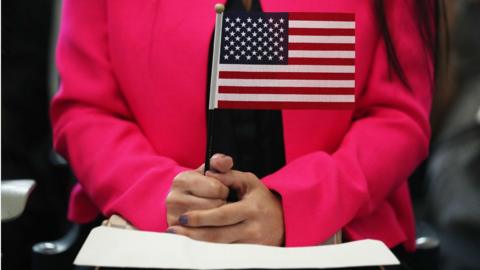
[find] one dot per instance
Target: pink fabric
(130, 115)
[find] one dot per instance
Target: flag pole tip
(219, 8)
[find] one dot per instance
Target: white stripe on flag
(286, 83)
(322, 39)
(321, 24)
(286, 98)
(322, 54)
(287, 68)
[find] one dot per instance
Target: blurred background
(28, 37)
(445, 189)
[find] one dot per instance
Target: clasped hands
(197, 206)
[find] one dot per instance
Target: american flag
(286, 61)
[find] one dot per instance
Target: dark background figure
(453, 170)
(26, 136)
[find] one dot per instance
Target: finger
(226, 234)
(208, 187)
(221, 163)
(187, 202)
(234, 179)
(178, 203)
(228, 214)
(200, 185)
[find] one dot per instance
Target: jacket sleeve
(94, 129)
(388, 138)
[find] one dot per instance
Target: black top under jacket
(253, 138)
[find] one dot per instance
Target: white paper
(112, 247)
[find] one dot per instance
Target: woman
(130, 118)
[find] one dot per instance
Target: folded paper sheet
(113, 247)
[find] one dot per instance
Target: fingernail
(170, 230)
(183, 219)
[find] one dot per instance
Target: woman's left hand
(256, 218)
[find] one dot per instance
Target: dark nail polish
(170, 230)
(183, 219)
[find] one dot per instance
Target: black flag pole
(209, 150)
(212, 102)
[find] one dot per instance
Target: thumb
(221, 163)
(234, 179)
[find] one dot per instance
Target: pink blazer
(130, 115)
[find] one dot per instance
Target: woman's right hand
(191, 190)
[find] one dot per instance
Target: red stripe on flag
(321, 32)
(255, 105)
(321, 61)
(286, 90)
(321, 46)
(321, 16)
(285, 75)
